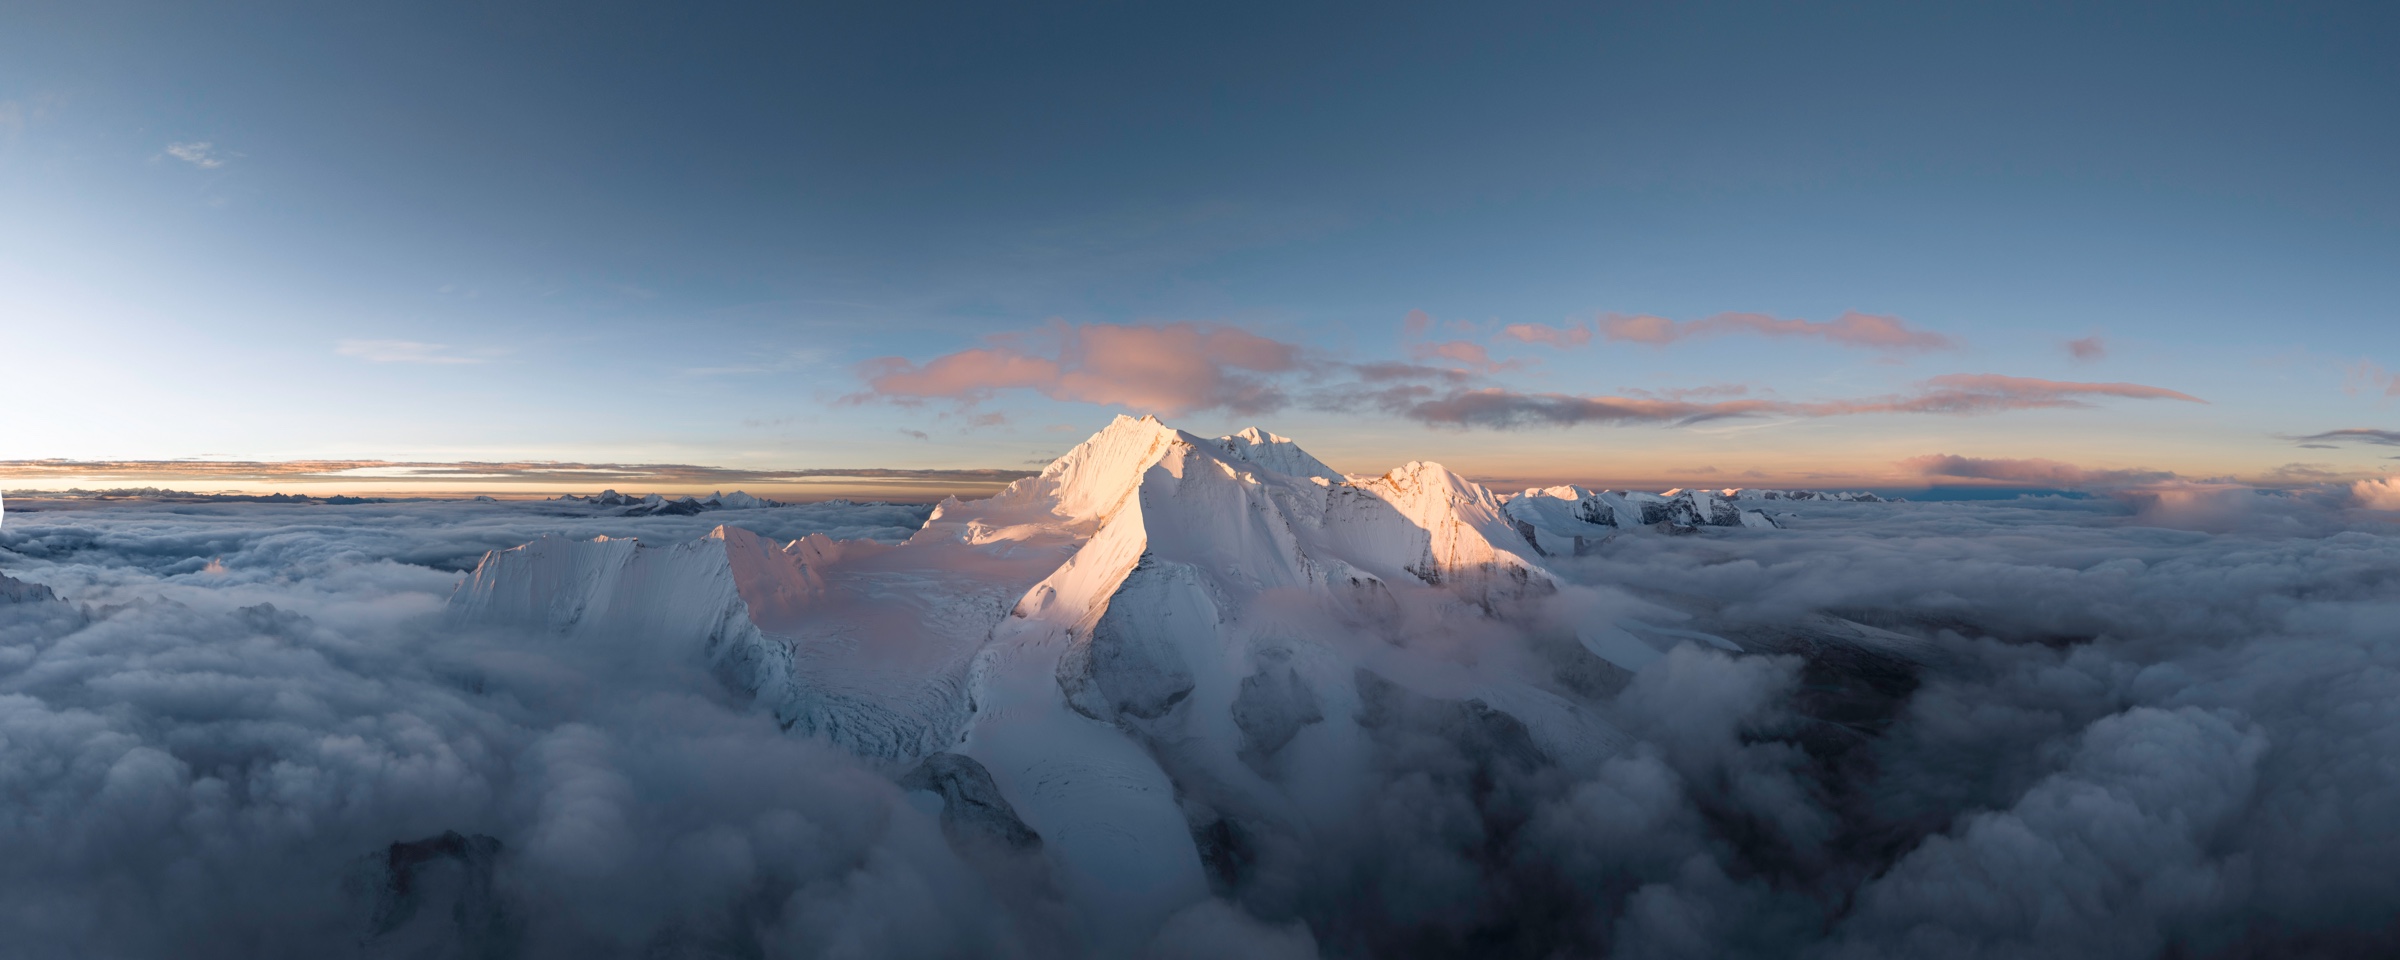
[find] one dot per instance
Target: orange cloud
(2088, 348)
(1852, 329)
(1170, 368)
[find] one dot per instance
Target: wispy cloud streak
(2034, 471)
(405, 351)
(1953, 394)
(1851, 329)
(1179, 368)
(25, 473)
(198, 153)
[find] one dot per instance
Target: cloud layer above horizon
(1184, 367)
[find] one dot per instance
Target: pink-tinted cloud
(2378, 494)
(1851, 329)
(2366, 376)
(1177, 368)
(1464, 354)
(1953, 394)
(2030, 471)
(1571, 335)
(965, 374)
(1416, 323)
(2088, 348)
(1170, 368)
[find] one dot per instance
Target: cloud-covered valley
(2035, 728)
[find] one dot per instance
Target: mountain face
(1157, 653)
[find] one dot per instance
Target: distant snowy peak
(1570, 520)
(1752, 493)
(656, 505)
(1279, 454)
(13, 590)
(1465, 530)
(1092, 481)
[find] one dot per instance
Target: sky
(1614, 244)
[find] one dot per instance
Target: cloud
(1506, 409)
(1184, 367)
(404, 351)
(2387, 438)
(2366, 376)
(198, 153)
(225, 761)
(1574, 334)
(1950, 394)
(1986, 392)
(557, 475)
(1167, 368)
(1851, 329)
(1464, 354)
(2378, 494)
(2039, 472)
(2087, 348)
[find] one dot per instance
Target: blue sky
(636, 234)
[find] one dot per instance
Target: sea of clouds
(2156, 725)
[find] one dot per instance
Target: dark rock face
(1490, 738)
(13, 590)
(1130, 666)
(973, 811)
(411, 882)
(1272, 707)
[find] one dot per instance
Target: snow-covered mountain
(1157, 650)
(1570, 520)
(655, 504)
(1754, 493)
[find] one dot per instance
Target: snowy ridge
(1276, 453)
(1753, 493)
(654, 504)
(1571, 521)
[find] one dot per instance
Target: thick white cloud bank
(2045, 728)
